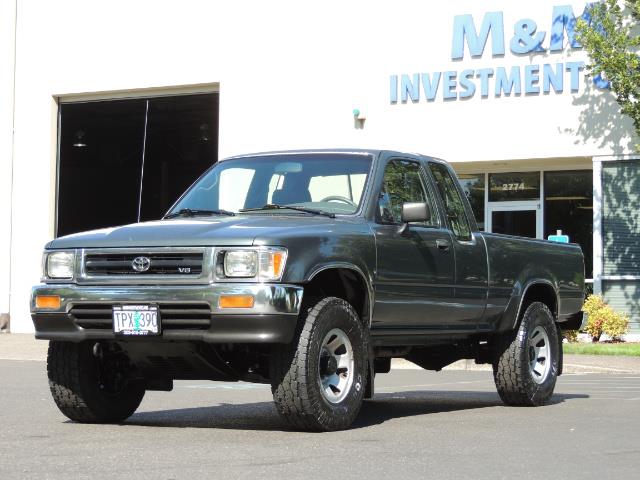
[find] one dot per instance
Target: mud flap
(560, 351)
(371, 375)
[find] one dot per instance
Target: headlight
(241, 263)
(60, 265)
(263, 264)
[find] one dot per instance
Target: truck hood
(202, 231)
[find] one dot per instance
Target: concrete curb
(575, 364)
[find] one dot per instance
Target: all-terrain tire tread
(64, 382)
(74, 393)
(509, 372)
(288, 371)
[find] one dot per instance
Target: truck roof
(353, 151)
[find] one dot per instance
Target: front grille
(106, 264)
(183, 316)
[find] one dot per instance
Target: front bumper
(187, 312)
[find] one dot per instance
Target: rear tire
(86, 389)
(318, 381)
(526, 369)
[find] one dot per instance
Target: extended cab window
(453, 203)
(402, 183)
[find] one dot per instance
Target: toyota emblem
(141, 264)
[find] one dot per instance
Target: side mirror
(414, 212)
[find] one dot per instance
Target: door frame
(534, 205)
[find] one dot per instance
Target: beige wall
(525, 165)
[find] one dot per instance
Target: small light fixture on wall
(358, 119)
(79, 140)
(204, 132)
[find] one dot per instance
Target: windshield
(328, 182)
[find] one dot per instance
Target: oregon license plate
(136, 319)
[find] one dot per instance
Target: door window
(521, 223)
(402, 183)
(453, 203)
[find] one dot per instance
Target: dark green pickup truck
(308, 270)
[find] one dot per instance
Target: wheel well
(342, 283)
(540, 292)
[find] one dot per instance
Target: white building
(95, 93)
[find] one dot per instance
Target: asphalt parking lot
(420, 425)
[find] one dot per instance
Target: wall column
(597, 226)
(8, 17)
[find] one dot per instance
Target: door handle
(442, 245)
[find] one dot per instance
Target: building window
(517, 186)
(620, 234)
(568, 206)
(120, 161)
(473, 187)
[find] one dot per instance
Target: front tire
(318, 382)
(88, 389)
(526, 369)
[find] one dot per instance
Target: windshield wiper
(190, 212)
(275, 206)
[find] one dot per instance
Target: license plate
(136, 320)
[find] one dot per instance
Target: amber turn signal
(48, 301)
(236, 301)
(278, 263)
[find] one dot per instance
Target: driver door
(415, 270)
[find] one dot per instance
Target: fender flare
(532, 283)
(348, 266)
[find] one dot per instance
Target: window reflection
(568, 206)
(507, 187)
(473, 186)
(402, 183)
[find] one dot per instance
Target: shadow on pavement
(244, 416)
(384, 406)
(388, 406)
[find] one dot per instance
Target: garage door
(120, 161)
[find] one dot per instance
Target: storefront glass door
(522, 219)
(513, 206)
